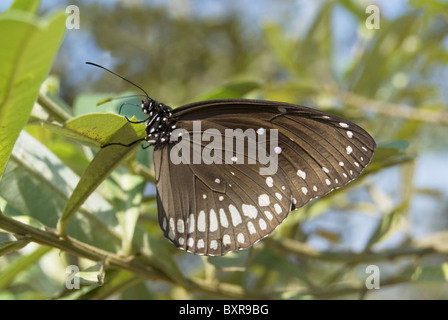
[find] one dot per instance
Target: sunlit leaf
(37, 184)
(27, 50)
(94, 129)
(10, 246)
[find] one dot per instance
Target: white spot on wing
(213, 221)
(304, 190)
(269, 182)
(201, 221)
(226, 240)
(343, 125)
(223, 218)
(301, 174)
(249, 211)
(180, 226)
(191, 223)
(277, 208)
(263, 200)
(240, 238)
(235, 214)
(263, 225)
(268, 215)
(171, 229)
(251, 228)
(349, 150)
(282, 110)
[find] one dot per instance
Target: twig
(51, 238)
(53, 108)
(395, 110)
(306, 251)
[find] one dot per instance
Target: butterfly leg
(127, 103)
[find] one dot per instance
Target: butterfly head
(151, 106)
(160, 121)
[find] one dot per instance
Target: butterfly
(229, 171)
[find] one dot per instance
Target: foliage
(59, 192)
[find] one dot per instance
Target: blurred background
(391, 81)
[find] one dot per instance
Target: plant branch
(395, 110)
(306, 251)
(53, 108)
(51, 238)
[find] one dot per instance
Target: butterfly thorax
(160, 122)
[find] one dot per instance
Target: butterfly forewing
(214, 207)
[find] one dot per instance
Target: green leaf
(125, 192)
(386, 227)
(97, 129)
(282, 48)
(389, 154)
(27, 50)
(356, 8)
(384, 57)
(26, 5)
(92, 275)
(431, 273)
(10, 246)
(37, 184)
(156, 254)
(234, 261)
(272, 260)
(9, 273)
(116, 282)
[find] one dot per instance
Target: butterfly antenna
(137, 86)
